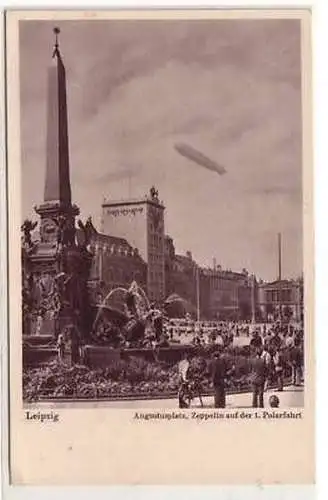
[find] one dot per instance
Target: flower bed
(135, 376)
(123, 378)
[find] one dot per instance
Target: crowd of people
(270, 348)
(271, 351)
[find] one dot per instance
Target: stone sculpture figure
(27, 227)
(62, 279)
(87, 230)
(154, 193)
(65, 232)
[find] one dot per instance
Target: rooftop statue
(154, 193)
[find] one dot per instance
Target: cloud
(116, 176)
(275, 190)
(230, 88)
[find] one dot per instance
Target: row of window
(152, 228)
(223, 285)
(278, 295)
(121, 275)
(156, 238)
(155, 257)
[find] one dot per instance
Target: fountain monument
(55, 268)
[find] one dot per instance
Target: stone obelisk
(57, 211)
(57, 267)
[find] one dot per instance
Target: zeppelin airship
(197, 157)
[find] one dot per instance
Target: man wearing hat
(256, 340)
(258, 377)
(219, 373)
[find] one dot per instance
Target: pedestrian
(267, 339)
(266, 356)
(276, 340)
(289, 342)
(296, 359)
(219, 374)
(184, 379)
(258, 378)
(279, 369)
(256, 340)
(158, 324)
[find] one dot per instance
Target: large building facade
(141, 223)
(115, 265)
(133, 247)
(281, 299)
(212, 293)
(229, 295)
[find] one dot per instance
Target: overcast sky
(229, 88)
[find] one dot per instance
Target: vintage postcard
(160, 201)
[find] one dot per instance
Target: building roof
(224, 273)
(280, 283)
(185, 262)
(151, 198)
(110, 241)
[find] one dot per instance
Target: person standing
(266, 356)
(256, 341)
(184, 372)
(289, 342)
(296, 359)
(258, 378)
(279, 369)
(276, 340)
(219, 373)
(267, 339)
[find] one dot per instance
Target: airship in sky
(197, 157)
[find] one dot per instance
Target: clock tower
(155, 247)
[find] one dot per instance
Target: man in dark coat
(276, 340)
(256, 340)
(258, 378)
(219, 374)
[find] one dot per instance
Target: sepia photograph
(162, 213)
(160, 247)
